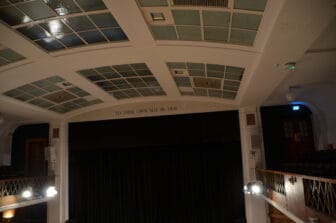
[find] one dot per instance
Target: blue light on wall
(296, 107)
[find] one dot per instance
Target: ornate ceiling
(60, 59)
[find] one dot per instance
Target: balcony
(304, 197)
(11, 191)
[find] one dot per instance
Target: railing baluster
(319, 193)
(273, 181)
(15, 186)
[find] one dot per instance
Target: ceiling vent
(64, 84)
(178, 72)
(157, 16)
(202, 3)
(207, 82)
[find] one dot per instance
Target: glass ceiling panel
(12, 16)
(54, 94)
(207, 80)
(237, 25)
(63, 7)
(8, 56)
(62, 24)
(125, 80)
(36, 9)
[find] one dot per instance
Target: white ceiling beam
(20, 44)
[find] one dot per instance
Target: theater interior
(167, 111)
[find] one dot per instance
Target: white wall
(255, 206)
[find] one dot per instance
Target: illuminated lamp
(8, 214)
(27, 193)
(254, 188)
(51, 192)
(295, 107)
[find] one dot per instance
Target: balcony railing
(321, 195)
(11, 191)
(13, 187)
(304, 196)
(273, 181)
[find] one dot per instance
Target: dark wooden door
(298, 138)
(36, 164)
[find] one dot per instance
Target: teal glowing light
(291, 66)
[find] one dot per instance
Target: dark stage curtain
(177, 184)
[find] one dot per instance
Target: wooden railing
(305, 196)
(13, 187)
(273, 181)
(321, 195)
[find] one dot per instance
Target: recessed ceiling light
(157, 16)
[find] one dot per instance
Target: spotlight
(256, 189)
(253, 188)
(51, 192)
(27, 193)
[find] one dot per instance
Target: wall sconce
(255, 187)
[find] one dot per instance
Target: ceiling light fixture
(157, 16)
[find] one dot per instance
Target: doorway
(35, 162)
(298, 138)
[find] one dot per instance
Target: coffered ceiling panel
(209, 80)
(125, 80)
(8, 56)
(237, 59)
(53, 93)
(212, 21)
(61, 24)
